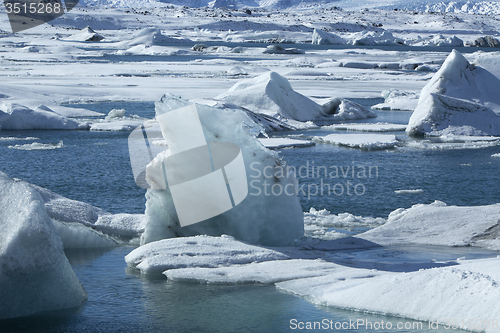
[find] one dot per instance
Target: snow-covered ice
(363, 141)
(278, 143)
(35, 275)
(373, 127)
(439, 224)
(18, 117)
(197, 251)
(272, 94)
(460, 98)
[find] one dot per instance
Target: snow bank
(438, 40)
(439, 224)
(35, 275)
(461, 98)
(321, 37)
(261, 218)
(278, 143)
(86, 35)
(197, 251)
(18, 117)
(363, 141)
(468, 291)
(272, 94)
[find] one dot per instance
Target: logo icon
(205, 179)
(26, 14)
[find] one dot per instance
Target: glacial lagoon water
(94, 167)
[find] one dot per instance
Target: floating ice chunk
(278, 49)
(398, 100)
(261, 218)
(324, 218)
(78, 236)
(197, 251)
(377, 127)
(38, 146)
(321, 37)
(415, 191)
(438, 224)
(17, 117)
(149, 37)
(69, 111)
(67, 210)
(272, 94)
(86, 35)
(363, 141)
(496, 155)
(35, 275)
(115, 113)
(459, 97)
(375, 38)
(262, 272)
(122, 225)
(278, 143)
(117, 124)
(15, 138)
(439, 40)
(466, 290)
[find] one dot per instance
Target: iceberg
(18, 117)
(321, 37)
(272, 94)
(363, 141)
(269, 212)
(86, 35)
(439, 224)
(35, 275)
(460, 99)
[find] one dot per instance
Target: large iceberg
(272, 94)
(269, 214)
(35, 275)
(460, 99)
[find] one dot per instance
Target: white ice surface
(35, 275)
(363, 141)
(460, 98)
(18, 117)
(374, 127)
(278, 143)
(38, 146)
(196, 251)
(439, 224)
(469, 291)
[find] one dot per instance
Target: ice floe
(398, 100)
(35, 275)
(439, 224)
(371, 127)
(38, 146)
(85, 35)
(363, 141)
(278, 143)
(321, 37)
(196, 251)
